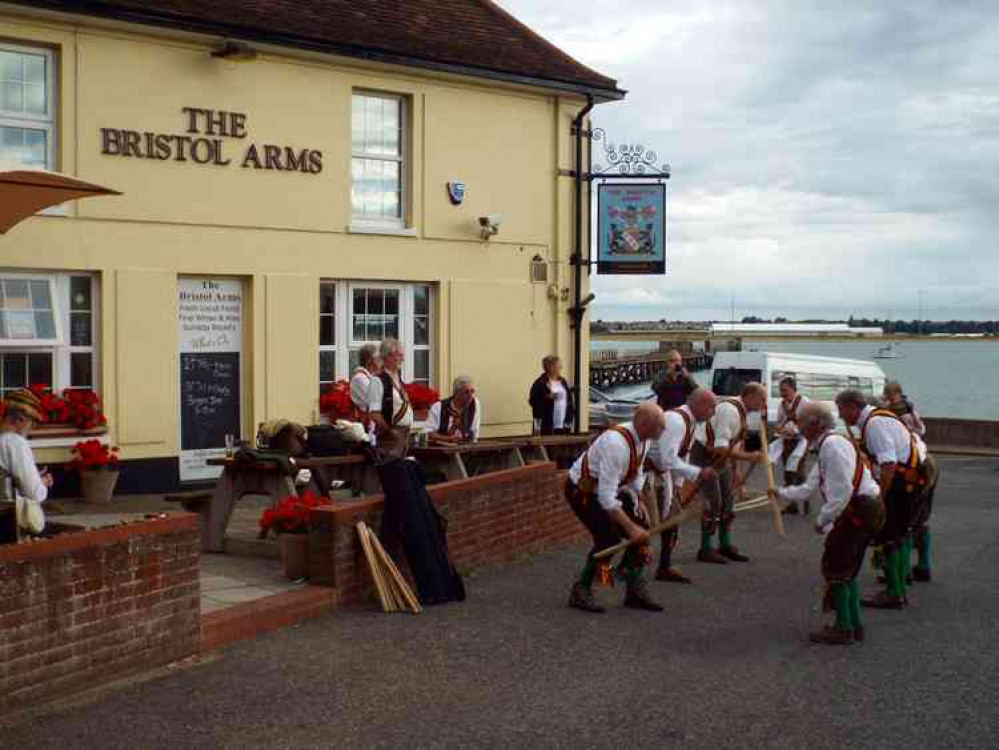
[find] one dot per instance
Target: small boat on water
(888, 351)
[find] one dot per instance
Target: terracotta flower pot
(98, 486)
(295, 555)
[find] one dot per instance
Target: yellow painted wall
(283, 232)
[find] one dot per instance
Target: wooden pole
(383, 596)
(771, 484)
(409, 598)
(687, 513)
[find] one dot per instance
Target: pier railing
(612, 368)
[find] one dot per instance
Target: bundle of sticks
(394, 593)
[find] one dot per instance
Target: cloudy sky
(827, 158)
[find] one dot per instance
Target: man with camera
(673, 390)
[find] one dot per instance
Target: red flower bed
(291, 514)
(335, 401)
(89, 455)
(421, 397)
(79, 407)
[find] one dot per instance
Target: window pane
(392, 302)
(41, 297)
(16, 294)
(34, 100)
(81, 370)
(45, 325)
(15, 373)
(80, 293)
(10, 66)
(20, 325)
(80, 330)
(421, 364)
(421, 300)
(33, 154)
(376, 301)
(421, 332)
(34, 69)
(391, 124)
(359, 302)
(11, 97)
(358, 332)
(327, 298)
(357, 123)
(355, 359)
(327, 366)
(40, 369)
(392, 328)
(326, 335)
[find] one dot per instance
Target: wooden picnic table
(454, 460)
(240, 478)
(554, 447)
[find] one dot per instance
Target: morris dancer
(603, 490)
(851, 513)
(668, 459)
(360, 382)
(900, 457)
(789, 448)
(456, 419)
(388, 403)
(722, 445)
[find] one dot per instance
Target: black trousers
(605, 532)
(899, 506)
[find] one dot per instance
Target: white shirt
(664, 453)
(434, 418)
(359, 385)
(609, 456)
(17, 459)
(375, 393)
(832, 476)
(789, 429)
(560, 405)
(887, 440)
(726, 423)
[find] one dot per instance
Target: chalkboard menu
(210, 323)
(209, 399)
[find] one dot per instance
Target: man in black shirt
(673, 390)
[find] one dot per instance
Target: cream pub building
(297, 179)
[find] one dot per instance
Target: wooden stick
(752, 503)
(395, 595)
(687, 513)
(771, 484)
(383, 596)
(409, 598)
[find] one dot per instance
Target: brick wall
(491, 518)
(81, 609)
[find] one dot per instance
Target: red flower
(420, 396)
(91, 454)
(335, 401)
(291, 514)
(79, 407)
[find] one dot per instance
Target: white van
(818, 378)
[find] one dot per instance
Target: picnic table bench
(240, 478)
(454, 461)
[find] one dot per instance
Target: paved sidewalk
(726, 666)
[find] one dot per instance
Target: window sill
(64, 436)
(383, 229)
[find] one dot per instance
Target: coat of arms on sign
(632, 230)
(456, 192)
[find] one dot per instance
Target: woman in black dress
(551, 400)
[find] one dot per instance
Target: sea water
(949, 378)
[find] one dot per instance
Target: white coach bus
(818, 378)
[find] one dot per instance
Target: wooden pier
(611, 368)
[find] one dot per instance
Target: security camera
(489, 225)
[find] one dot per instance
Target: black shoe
(671, 575)
(582, 598)
(711, 556)
(881, 600)
(733, 554)
(638, 597)
(922, 575)
(832, 636)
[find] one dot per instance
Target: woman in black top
(551, 400)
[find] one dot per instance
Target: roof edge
(176, 23)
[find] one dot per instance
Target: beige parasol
(24, 193)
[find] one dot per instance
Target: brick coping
(65, 544)
(265, 615)
(439, 493)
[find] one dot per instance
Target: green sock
(841, 601)
(900, 570)
(854, 590)
(923, 547)
(724, 537)
(892, 561)
(589, 572)
(705, 541)
(907, 557)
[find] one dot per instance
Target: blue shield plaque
(456, 192)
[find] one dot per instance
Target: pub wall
(282, 232)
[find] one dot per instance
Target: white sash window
(27, 107)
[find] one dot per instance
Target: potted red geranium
(421, 398)
(98, 467)
(289, 520)
(335, 401)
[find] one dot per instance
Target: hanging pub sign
(631, 229)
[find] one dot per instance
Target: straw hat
(26, 402)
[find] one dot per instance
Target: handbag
(30, 516)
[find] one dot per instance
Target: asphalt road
(727, 666)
